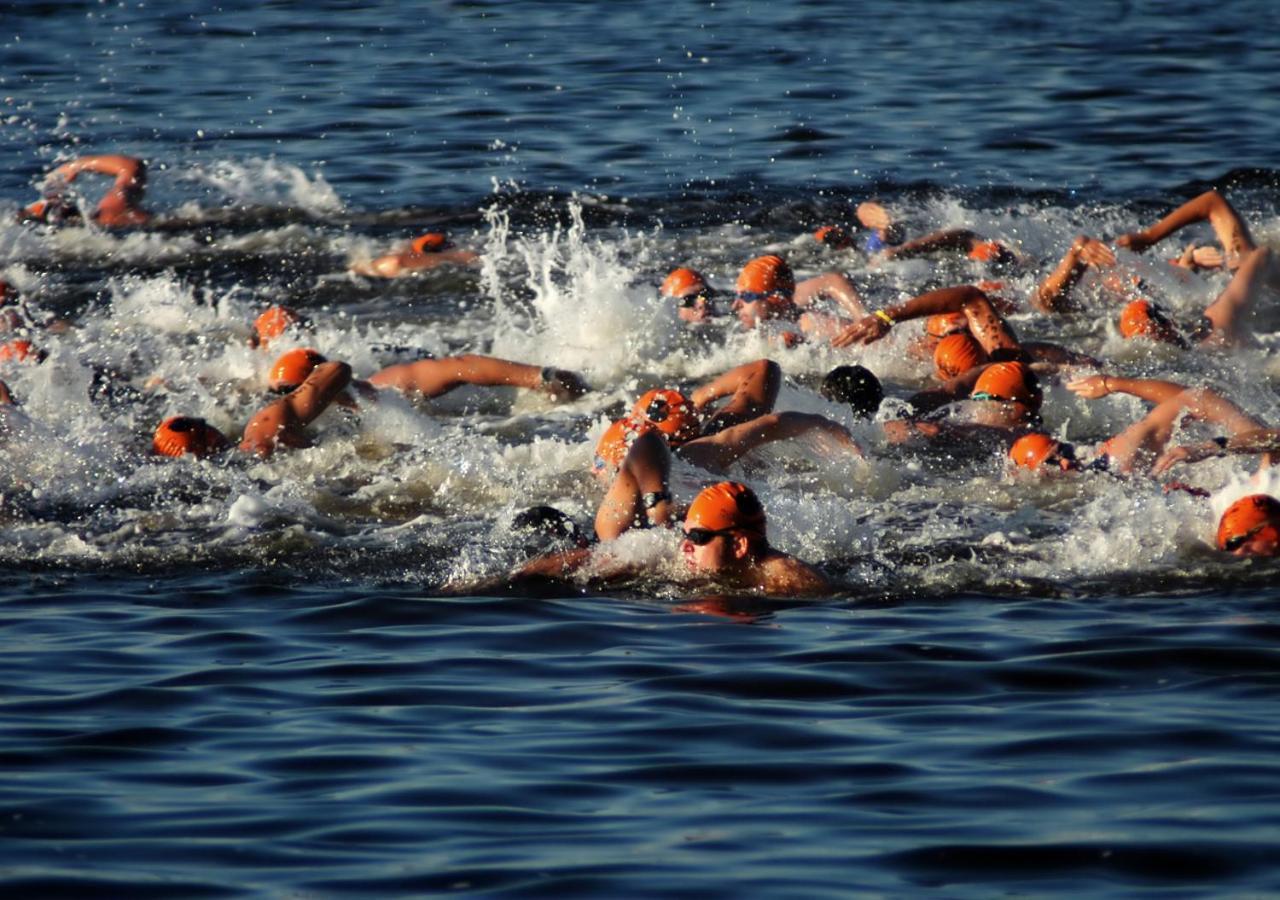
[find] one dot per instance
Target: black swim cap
(856, 386)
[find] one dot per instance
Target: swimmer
(854, 386)
(280, 423)
(120, 207)
(427, 251)
(691, 294)
(737, 428)
(1228, 226)
(1255, 441)
(1136, 448)
(985, 408)
(725, 535)
(429, 378)
(767, 290)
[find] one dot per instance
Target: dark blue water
(272, 680)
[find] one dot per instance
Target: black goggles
(700, 537)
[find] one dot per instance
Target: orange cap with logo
(617, 440)
(1011, 382)
(729, 504)
(187, 434)
(957, 354)
(1030, 450)
(767, 278)
(19, 350)
(682, 281)
(273, 322)
(943, 324)
(431, 242)
(292, 368)
(1248, 516)
(668, 411)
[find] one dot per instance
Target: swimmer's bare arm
(952, 239)
(125, 169)
(834, 285)
(753, 387)
(639, 493)
(394, 264)
(553, 565)
(1153, 390)
(719, 451)
(948, 392)
(1259, 440)
(1053, 294)
(434, 377)
(873, 327)
(1211, 206)
(1258, 272)
(282, 421)
(1147, 438)
(1057, 355)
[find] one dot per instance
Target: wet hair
(856, 386)
(549, 528)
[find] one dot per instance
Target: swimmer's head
(956, 354)
(943, 324)
(431, 242)
(833, 236)
(613, 445)
(1031, 451)
(724, 528)
(273, 322)
(855, 385)
(1251, 526)
(1008, 382)
(1142, 318)
(51, 209)
(292, 368)
(765, 290)
(689, 291)
(20, 350)
(549, 529)
(670, 412)
(179, 435)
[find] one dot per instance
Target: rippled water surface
(309, 677)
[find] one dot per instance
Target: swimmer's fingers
(1096, 253)
(1207, 258)
(865, 331)
(1169, 459)
(1135, 242)
(1091, 387)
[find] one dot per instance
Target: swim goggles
(700, 537)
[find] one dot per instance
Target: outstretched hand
(1091, 387)
(1186, 453)
(1136, 242)
(1095, 253)
(866, 330)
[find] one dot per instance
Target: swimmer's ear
(741, 546)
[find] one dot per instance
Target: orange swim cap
(1030, 450)
(943, 324)
(274, 322)
(1257, 513)
(957, 354)
(431, 242)
(1011, 382)
(767, 278)
(683, 281)
(1142, 318)
(19, 350)
(834, 237)
(729, 504)
(617, 440)
(988, 251)
(187, 434)
(292, 368)
(668, 411)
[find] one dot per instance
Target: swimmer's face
(749, 314)
(694, 308)
(713, 551)
(1263, 542)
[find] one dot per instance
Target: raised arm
(834, 285)
(1258, 272)
(1054, 293)
(639, 494)
(1210, 206)
(752, 389)
(282, 421)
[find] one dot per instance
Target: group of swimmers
(987, 396)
